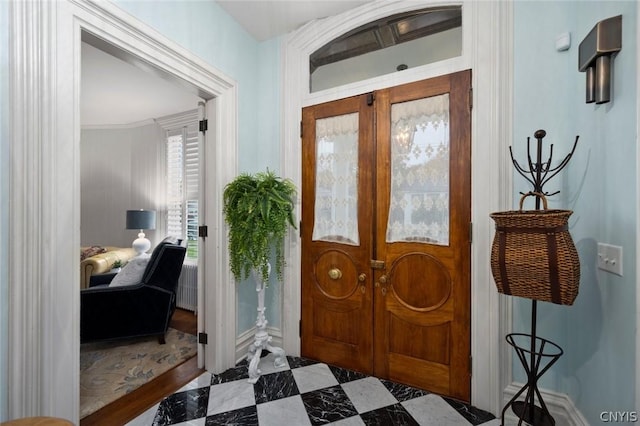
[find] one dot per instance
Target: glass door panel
(419, 200)
(336, 204)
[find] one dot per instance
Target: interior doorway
(140, 148)
(54, 176)
(386, 211)
(147, 154)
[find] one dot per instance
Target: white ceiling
(114, 92)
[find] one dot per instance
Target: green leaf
(258, 210)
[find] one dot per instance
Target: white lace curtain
(419, 207)
(336, 207)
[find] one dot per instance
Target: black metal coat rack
(536, 354)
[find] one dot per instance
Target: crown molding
(118, 126)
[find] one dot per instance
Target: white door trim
(487, 50)
(43, 352)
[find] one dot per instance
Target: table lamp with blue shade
(141, 219)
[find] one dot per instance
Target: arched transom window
(388, 45)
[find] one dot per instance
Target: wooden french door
(386, 209)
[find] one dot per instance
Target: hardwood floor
(185, 321)
(137, 402)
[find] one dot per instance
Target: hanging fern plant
(258, 209)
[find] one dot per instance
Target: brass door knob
(362, 277)
(383, 279)
(335, 274)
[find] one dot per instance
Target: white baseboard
(559, 404)
(244, 340)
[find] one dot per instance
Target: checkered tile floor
(305, 392)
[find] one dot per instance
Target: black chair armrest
(101, 279)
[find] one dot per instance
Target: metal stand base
(262, 340)
(538, 417)
(541, 354)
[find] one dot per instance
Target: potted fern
(259, 210)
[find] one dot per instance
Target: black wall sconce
(595, 55)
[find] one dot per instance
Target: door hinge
(203, 231)
(300, 328)
(203, 125)
(470, 366)
(377, 264)
(470, 232)
(300, 228)
(202, 338)
(370, 98)
(300, 129)
(470, 98)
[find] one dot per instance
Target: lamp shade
(141, 219)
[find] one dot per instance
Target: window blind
(183, 175)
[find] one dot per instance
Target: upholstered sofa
(102, 262)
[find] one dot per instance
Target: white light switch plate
(610, 258)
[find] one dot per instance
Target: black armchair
(145, 309)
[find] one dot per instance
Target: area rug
(109, 370)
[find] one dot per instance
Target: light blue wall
(598, 332)
(4, 204)
(210, 33)
(268, 102)
(263, 156)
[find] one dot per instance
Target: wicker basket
(533, 254)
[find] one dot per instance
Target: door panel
(336, 234)
(392, 299)
(424, 193)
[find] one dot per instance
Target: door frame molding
(44, 207)
(488, 51)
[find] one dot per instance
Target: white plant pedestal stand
(262, 340)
